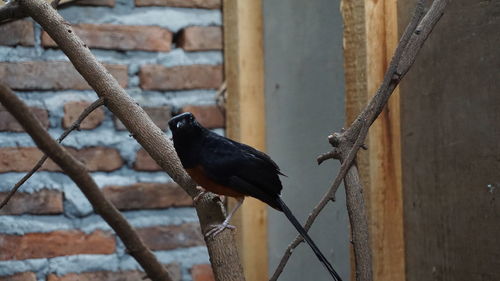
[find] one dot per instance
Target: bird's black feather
(242, 167)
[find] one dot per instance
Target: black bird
(226, 167)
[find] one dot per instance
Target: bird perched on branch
(230, 168)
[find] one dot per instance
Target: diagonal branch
(346, 144)
(81, 176)
(222, 249)
(38, 165)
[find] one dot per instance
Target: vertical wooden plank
(370, 36)
(450, 107)
(243, 55)
(385, 189)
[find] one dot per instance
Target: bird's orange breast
(199, 176)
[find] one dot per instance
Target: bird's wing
(241, 167)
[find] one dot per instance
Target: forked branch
(222, 249)
(347, 143)
(81, 176)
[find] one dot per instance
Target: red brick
(144, 162)
(119, 37)
(22, 159)
(9, 123)
(157, 77)
(18, 32)
(128, 275)
(209, 116)
(160, 116)
(161, 238)
(203, 4)
(201, 38)
(53, 244)
(147, 196)
(72, 111)
(51, 75)
(202, 272)
(25, 276)
(108, 3)
(43, 202)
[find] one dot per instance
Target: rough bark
(222, 249)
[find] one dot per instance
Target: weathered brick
(43, 202)
(51, 75)
(160, 116)
(209, 116)
(18, 32)
(158, 77)
(24, 276)
(200, 38)
(144, 162)
(161, 238)
(128, 275)
(53, 244)
(147, 196)
(22, 159)
(9, 123)
(108, 3)
(120, 37)
(202, 272)
(72, 111)
(203, 4)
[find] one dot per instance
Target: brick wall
(167, 54)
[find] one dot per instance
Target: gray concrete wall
(305, 101)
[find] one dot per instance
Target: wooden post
(384, 155)
(245, 115)
(370, 36)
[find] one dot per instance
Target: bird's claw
(218, 228)
(198, 197)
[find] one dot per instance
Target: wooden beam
(384, 156)
(370, 36)
(245, 115)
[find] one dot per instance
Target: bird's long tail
(308, 239)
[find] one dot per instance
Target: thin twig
(75, 125)
(412, 40)
(221, 97)
(81, 176)
(55, 3)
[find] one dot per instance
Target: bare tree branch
(222, 249)
(38, 165)
(81, 176)
(347, 143)
(10, 11)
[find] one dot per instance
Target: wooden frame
(245, 120)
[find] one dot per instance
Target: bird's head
(184, 124)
